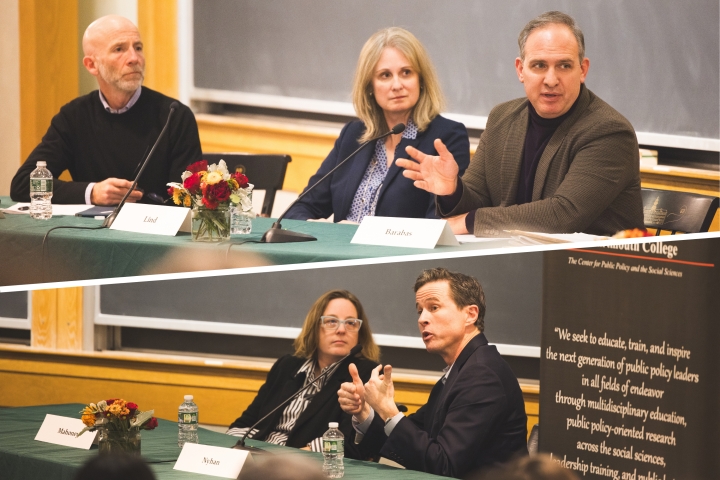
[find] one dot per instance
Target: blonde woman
(395, 82)
(334, 325)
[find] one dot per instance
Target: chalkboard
(14, 305)
(629, 360)
(656, 61)
(512, 285)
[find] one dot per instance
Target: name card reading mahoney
(404, 232)
(209, 460)
(64, 431)
(154, 219)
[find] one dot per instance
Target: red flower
(192, 183)
(111, 401)
(221, 191)
(210, 203)
(151, 424)
(170, 191)
(131, 406)
(241, 179)
(200, 166)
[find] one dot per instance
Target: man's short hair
(464, 289)
(549, 18)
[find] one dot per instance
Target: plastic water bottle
(41, 191)
(333, 452)
(187, 422)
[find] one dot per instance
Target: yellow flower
(187, 201)
(115, 409)
(176, 195)
(213, 178)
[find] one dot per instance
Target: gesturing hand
(111, 191)
(380, 393)
(436, 174)
(351, 396)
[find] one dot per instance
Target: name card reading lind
(404, 232)
(64, 431)
(154, 219)
(209, 460)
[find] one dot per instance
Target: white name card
(404, 232)
(154, 219)
(213, 461)
(64, 431)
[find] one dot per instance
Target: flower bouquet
(119, 424)
(209, 189)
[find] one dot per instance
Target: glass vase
(210, 225)
(117, 441)
(241, 220)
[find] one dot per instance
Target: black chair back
(533, 439)
(265, 172)
(678, 211)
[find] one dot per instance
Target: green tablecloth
(23, 458)
(71, 255)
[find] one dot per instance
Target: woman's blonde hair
(306, 344)
(431, 100)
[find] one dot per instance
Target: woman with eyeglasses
(334, 325)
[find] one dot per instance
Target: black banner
(629, 381)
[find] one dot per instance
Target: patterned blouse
(367, 194)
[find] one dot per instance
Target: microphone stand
(240, 445)
(277, 235)
(111, 218)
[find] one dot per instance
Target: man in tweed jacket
(559, 161)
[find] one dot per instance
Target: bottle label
(335, 446)
(41, 185)
(188, 418)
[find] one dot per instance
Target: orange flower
(88, 417)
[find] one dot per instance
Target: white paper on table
(57, 210)
(535, 238)
(469, 238)
(153, 219)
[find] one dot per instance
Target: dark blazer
(398, 196)
(475, 420)
(587, 180)
(282, 381)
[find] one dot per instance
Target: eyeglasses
(329, 322)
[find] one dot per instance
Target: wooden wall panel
(70, 318)
(157, 21)
(48, 65)
(44, 319)
(57, 318)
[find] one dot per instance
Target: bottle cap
(188, 398)
(41, 163)
(333, 424)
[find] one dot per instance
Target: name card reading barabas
(209, 460)
(404, 232)
(154, 219)
(64, 431)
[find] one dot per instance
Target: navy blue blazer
(475, 420)
(398, 196)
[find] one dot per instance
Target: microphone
(111, 218)
(277, 235)
(240, 445)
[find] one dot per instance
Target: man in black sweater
(101, 138)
